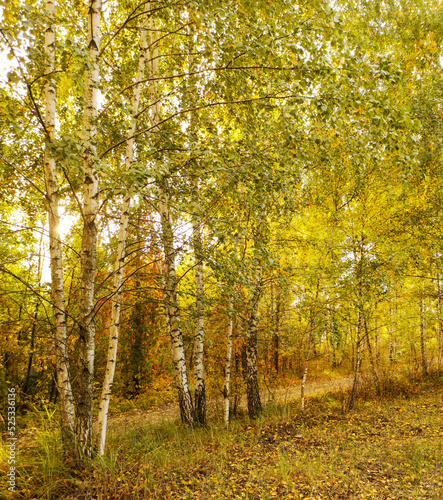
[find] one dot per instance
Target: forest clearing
(213, 213)
(388, 448)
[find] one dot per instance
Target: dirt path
(166, 413)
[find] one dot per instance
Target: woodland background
(281, 176)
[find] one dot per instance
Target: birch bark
(229, 344)
(172, 309)
(424, 359)
(353, 395)
(121, 250)
(172, 312)
(439, 323)
(63, 380)
(228, 362)
(199, 334)
(276, 335)
(371, 357)
(83, 423)
(252, 390)
(199, 378)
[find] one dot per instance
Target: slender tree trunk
(392, 340)
(439, 324)
(305, 375)
(25, 385)
(197, 244)
(353, 395)
(63, 380)
(173, 313)
(252, 390)
(199, 378)
(311, 347)
(376, 337)
(371, 357)
(276, 335)
(424, 360)
(359, 280)
(121, 250)
(83, 424)
(172, 309)
(229, 344)
(230, 339)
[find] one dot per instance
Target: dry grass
(389, 448)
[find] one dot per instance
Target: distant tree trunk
(305, 375)
(229, 343)
(276, 333)
(371, 357)
(439, 324)
(376, 337)
(63, 380)
(83, 423)
(173, 313)
(359, 260)
(392, 331)
(424, 361)
(311, 347)
(25, 385)
(199, 378)
(354, 389)
(121, 250)
(229, 346)
(353, 395)
(253, 393)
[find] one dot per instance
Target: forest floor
(390, 446)
(170, 412)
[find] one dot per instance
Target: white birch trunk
(172, 310)
(302, 388)
(199, 378)
(253, 393)
(439, 324)
(83, 424)
(424, 359)
(276, 335)
(229, 344)
(252, 390)
(305, 373)
(121, 250)
(199, 333)
(353, 395)
(55, 246)
(392, 340)
(228, 362)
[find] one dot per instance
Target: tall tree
(89, 209)
(121, 245)
(55, 245)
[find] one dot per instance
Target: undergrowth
(389, 447)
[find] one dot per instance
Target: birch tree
(170, 298)
(55, 245)
(199, 378)
(197, 246)
(86, 322)
(121, 247)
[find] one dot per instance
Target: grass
(388, 448)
